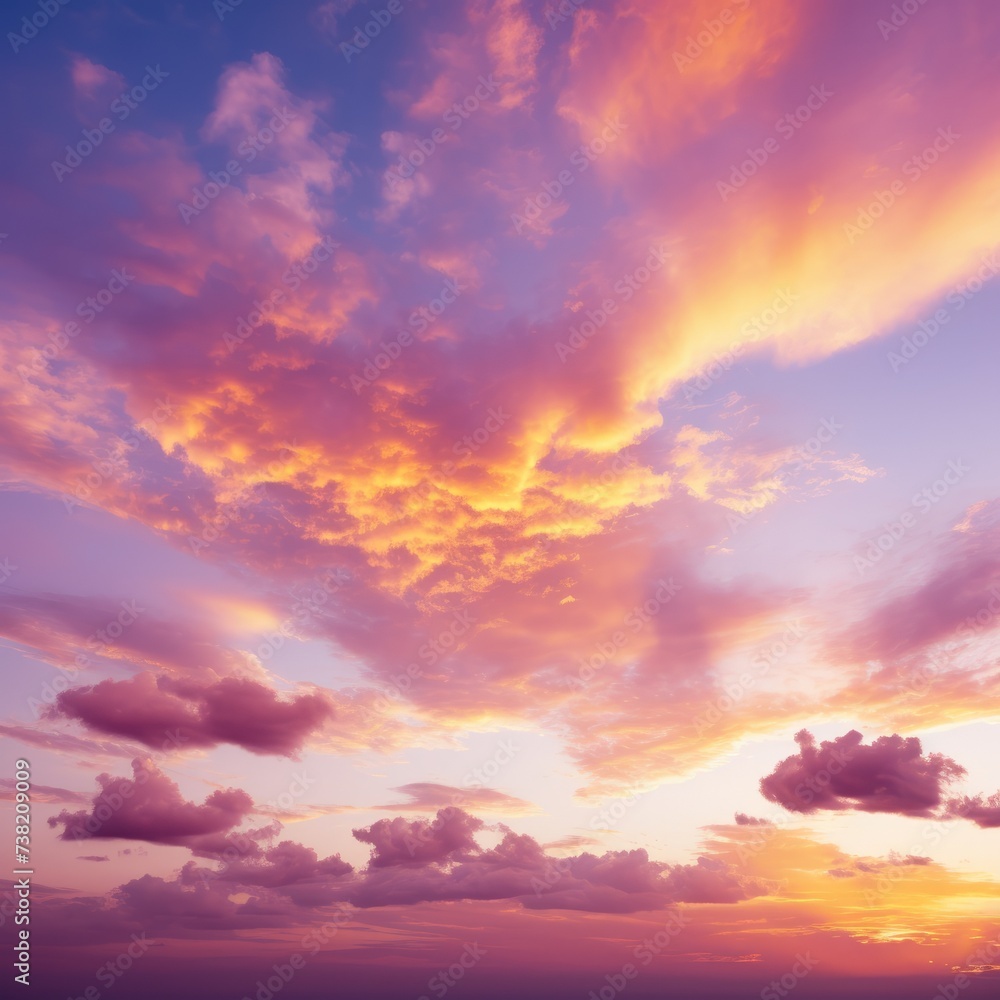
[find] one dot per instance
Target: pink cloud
(150, 807)
(233, 710)
(890, 775)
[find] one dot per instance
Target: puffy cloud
(284, 864)
(983, 811)
(742, 819)
(150, 807)
(890, 775)
(420, 842)
(233, 710)
(420, 861)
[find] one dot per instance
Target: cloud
(742, 819)
(421, 861)
(150, 807)
(284, 864)
(891, 775)
(427, 796)
(41, 793)
(64, 743)
(984, 812)
(420, 842)
(233, 710)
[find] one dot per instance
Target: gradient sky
(498, 481)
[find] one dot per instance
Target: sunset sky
(502, 486)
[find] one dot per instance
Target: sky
(500, 498)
